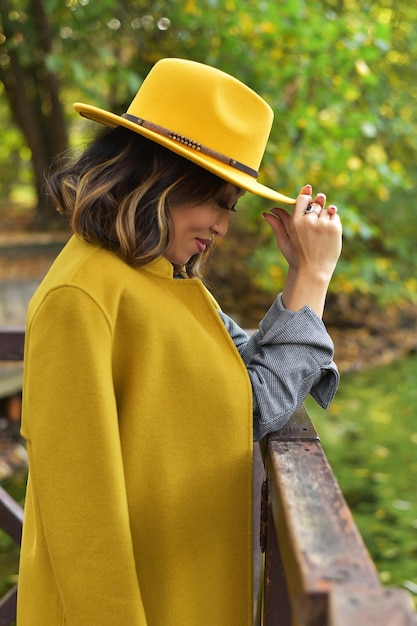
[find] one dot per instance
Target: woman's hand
(311, 241)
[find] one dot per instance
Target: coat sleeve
(289, 357)
(71, 424)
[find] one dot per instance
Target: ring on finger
(311, 209)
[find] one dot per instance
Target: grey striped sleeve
(289, 357)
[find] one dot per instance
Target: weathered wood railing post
(12, 339)
(11, 513)
(314, 544)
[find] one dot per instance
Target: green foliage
(370, 437)
(339, 75)
(15, 166)
(15, 485)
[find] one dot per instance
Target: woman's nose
(221, 225)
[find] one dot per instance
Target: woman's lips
(202, 244)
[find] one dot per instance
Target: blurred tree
(32, 90)
(339, 74)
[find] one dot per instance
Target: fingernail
(332, 208)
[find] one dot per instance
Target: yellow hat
(204, 115)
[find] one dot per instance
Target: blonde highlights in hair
(119, 193)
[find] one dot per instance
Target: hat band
(190, 143)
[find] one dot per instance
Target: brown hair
(120, 190)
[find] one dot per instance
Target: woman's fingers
(311, 235)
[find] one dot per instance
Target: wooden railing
(11, 513)
(318, 571)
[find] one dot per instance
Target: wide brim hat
(204, 115)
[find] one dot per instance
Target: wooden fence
(318, 571)
(11, 513)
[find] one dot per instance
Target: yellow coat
(137, 411)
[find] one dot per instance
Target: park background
(341, 77)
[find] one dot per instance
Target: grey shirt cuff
(289, 357)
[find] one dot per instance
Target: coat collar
(160, 267)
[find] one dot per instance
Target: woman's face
(194, 227)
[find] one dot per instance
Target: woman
(141, 398)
